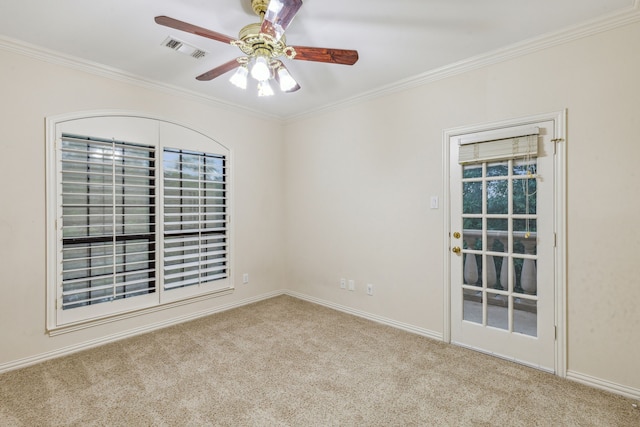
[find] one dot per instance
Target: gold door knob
(456, 235)
(456, 250)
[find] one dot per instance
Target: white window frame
(134, 128)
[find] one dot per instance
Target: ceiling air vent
(184, 48)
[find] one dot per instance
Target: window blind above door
(498, 145)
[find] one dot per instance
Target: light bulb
(239, 78)
(264, 88)
(286, 81)
(260, 70)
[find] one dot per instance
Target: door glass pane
(497, 242)
(497, 227)
(524, 225)
(472, 269)
(497, 197)
(524, 196)
(525, 317)
(472, 197)
(472, 224)
(498, 169)
(524, 236)
(491, 273)
(472, 240)
(525, 166)
(502, 268)
(497, 235)
(472, 171)
(472, 306)
(498, 311)
(527, 273)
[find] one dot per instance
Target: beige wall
(358, 183)
(346, 193)
(32, 90)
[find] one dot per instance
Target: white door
(502, 240)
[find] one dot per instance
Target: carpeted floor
(286, 362)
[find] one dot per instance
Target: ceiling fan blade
(279, 15)
(321, 54)
(193, 29)
(219, 70)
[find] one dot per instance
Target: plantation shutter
(195, 218)
(108, 220)
(494, 146)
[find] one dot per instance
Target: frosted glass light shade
(286, 81)
(239, 78)
(264, 89)
(260, 70)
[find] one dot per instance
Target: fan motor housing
(253, 42)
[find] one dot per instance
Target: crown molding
(79, 64)
(592, 27)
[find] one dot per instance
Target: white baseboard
(609, 386)
(378, 319)
(32, 360)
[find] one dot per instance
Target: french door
(502, 242)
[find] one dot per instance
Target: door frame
(560, 205)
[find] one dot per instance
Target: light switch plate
(434, 202)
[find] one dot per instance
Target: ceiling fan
(264, 43)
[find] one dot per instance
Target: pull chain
(530, 175)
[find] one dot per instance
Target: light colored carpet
(286, 362)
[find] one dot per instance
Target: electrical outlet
(369, 289)
(343, 283)
(245, 278)
(352, 285)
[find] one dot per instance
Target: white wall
(358, 183)
(32, 90)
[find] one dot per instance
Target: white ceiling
(396, 39)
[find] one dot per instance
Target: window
(195, 243)
(138, 222)
(108, 221)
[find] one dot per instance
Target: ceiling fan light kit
(287, 82)
(264, 88)
(239, 78)
(260, 70)
(264, 43)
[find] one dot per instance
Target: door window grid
(498, 230)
